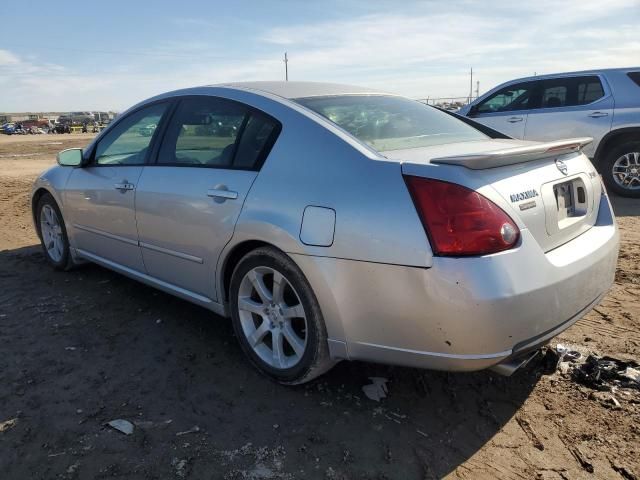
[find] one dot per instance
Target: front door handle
(222, 193)
(598, 114)
(124, 186)
(514, 119)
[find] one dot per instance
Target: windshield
(391, 123)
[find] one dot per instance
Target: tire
(621, 159)
(265, 316)
(52, 233)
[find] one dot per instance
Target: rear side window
(203, 132)
(570, 91)
(513, 97)
(256, 138)
(635, 76)
(214, 132)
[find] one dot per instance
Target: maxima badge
(518, 197)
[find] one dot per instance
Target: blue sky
(109, 54)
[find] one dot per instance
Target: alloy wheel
(626, 171)
(272, 317)
(51, 231)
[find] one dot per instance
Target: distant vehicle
(8, 128)
(62, 128)
(602, 104)
(148, 130)
(334, 222)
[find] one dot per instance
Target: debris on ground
(581, 459)
(123, 426)
(8, 425)
(632, 374)
(377, 389)
(194, 429)
(250, 462)
(624, 471)
(529, 432)
(181, 467)
(600, 373)
(605, 399)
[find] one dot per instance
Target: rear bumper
(464, 313)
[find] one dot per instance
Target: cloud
(8, 58)
(420, 49)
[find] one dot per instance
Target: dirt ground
(79, 349)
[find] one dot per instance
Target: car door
(188, 201)
(506, 110)
(575, 106)
(100, 196)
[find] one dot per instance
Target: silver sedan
(332, 222)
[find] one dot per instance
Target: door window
(213, 132)
(128, 141)
(513, 97)
(571, 91)
(589, 90)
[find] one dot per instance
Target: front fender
(52, 181)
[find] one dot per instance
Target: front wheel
(53, 235)
(621, 169)
(277, 319)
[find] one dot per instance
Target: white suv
(603, 104)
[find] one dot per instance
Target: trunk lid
(551, 189)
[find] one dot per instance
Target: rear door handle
(124, 186)
(514, 119)
(598, 114)
(222, 193)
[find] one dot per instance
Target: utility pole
(471, 86)
(477, 88)
(286, 67)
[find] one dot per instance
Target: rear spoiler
(513, 155)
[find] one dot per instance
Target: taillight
(459, 221)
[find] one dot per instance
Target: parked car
(147, 130)
(8, 128)
(335, 222)
(62, 128)
(602, 104)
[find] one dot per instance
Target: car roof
(292, 90)
(594, 71)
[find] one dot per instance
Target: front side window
(513, 97)
(128, 141)
(390, 123)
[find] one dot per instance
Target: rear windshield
(391, 123)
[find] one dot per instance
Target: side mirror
(71, 157)
(473, 111)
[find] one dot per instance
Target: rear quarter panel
(315, 164)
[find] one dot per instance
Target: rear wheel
(621, 169)
(277, 319)
(53, 235)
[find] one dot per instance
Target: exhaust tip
(509, 366)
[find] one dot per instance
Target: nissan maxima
(332, 222)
